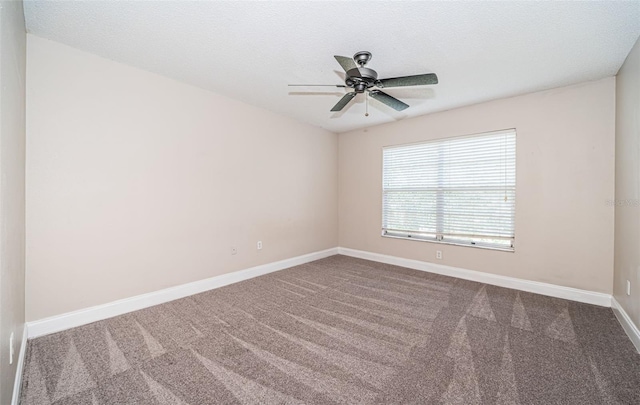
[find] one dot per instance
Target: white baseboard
(17, 382)
(99, 312)
(84, 316)
(627, 324)
(552, 290)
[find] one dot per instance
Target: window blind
(458, 190)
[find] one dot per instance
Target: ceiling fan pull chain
(366, 103)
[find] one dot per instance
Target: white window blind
(458, 190)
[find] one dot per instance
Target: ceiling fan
(362, 79)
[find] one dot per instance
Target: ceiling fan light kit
(362, 79)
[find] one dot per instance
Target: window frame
(438, 239)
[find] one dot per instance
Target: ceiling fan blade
(417, 80)
(388, 100)
(316, 85)
(343, 101)
(346, 63)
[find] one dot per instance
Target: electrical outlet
(438, 254)
(11, 348)
(628, 287)
(259, 244)
(234, 250)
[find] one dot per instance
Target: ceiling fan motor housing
(361, 79)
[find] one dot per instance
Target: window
(458, 190)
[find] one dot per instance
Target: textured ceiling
(251, 50)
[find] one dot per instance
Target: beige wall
(12, 166)
(627, 230)
(565, 174)
(136, 182)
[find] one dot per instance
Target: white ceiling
(251, 50)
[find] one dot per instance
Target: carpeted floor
(342, 331)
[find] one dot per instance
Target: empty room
(319, 202)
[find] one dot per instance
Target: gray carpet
(342, 331)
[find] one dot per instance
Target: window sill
(439, 242)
